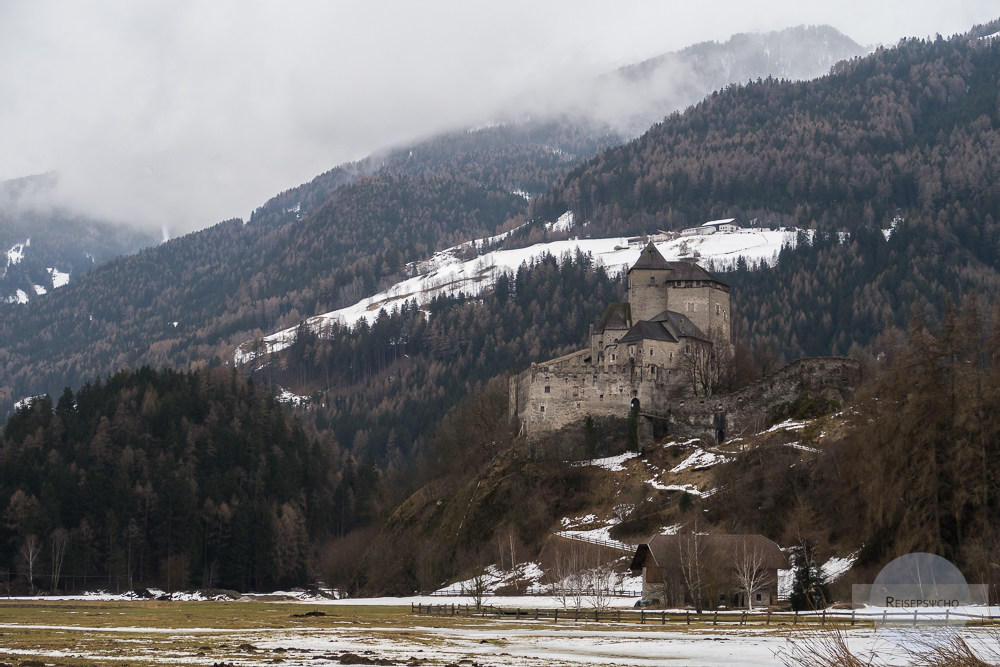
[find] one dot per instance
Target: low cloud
(182, 114)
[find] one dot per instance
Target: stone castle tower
(656, 285)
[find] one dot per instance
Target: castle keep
(659, 354)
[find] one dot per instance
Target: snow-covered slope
(447, 274)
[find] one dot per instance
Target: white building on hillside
(713, 226)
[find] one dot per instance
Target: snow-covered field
(338, 635)
(446, 273)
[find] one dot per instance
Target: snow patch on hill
(16, 254)
(59, 278)
(449, 272)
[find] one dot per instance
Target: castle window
(718, 309)
(548, 390)
(602, 397)
(650, 351)
(576, 391)
(541, 408)
(652, 280)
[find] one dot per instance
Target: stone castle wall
(726, 416)
(552, 395)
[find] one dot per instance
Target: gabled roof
(651, 260)
(667, 326)
(665, 550)
(679, 325)
(719, 223)
(646, 330)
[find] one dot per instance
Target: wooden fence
(841, 618)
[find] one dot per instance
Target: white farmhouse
(713, 226)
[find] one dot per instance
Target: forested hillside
(380, 388)
(167, 479)
(915, 469)
(194, 298)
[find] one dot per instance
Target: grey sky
(181, 114)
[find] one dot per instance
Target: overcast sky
(181, 114)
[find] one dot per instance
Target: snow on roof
(716, 223)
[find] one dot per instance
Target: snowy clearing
(446, 273)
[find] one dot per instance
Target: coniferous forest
(166, 479)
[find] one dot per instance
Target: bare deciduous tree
(477, 588)
(30, 550)
(748, 569)
(58, 542)
(691, 558)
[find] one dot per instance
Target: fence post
(795, 621)
(687, 614)
(854, 611)
(946, 612)
(642, 617)
(823, 620)
(619, 616)
(715, 620)
(914, 618)
(517, 614)
(597, 618)
(555, 615)
(768, 622)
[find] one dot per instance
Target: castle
(659, 355)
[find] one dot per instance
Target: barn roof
(665, 550)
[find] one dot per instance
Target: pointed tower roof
(650, 258)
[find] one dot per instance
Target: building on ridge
(664, 342)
